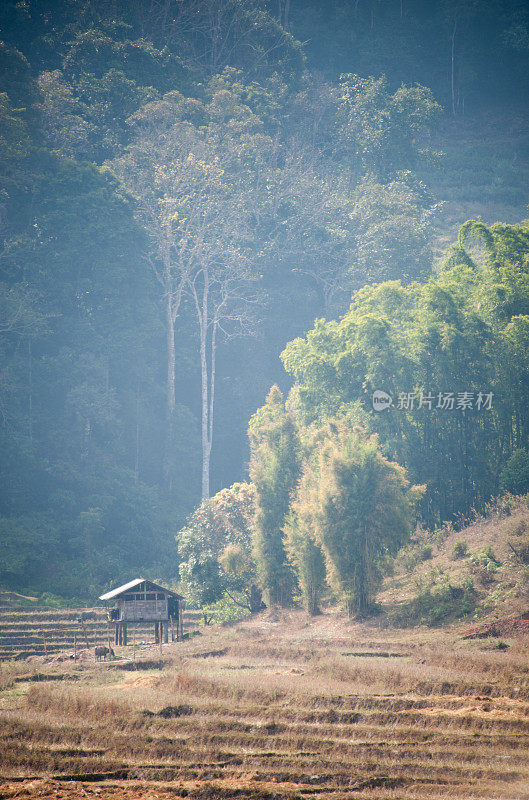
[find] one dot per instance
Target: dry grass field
(26, 631)
(277, 707)
(283, 706)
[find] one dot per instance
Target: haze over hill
(185, 189)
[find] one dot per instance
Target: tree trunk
(452, 76)
(208, 398)
(170, 390)
(206, 449)
(30, 391)
(313, 602)
(213, 364)
(203, 319)
(137, 439)
(170, 358)
(207, 375)
(86, 438)
(256, 599)
(286, 15)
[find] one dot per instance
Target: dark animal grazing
(102, 653)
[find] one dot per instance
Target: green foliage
(274, 471)
(27, 543)
(264, 100)
(488, 553)
(301, 543)
(484, 565)
(364, 512)
(410, 40)
(413, 554)
(379, 129)
(324, 182)
(453, 333)
(79, 501)
(201, 577)
(459, 550)
(226, 609)
(308, 561)
(215, 549)
(392, 228)
(54, 601)
(514, 476)
(438, 605)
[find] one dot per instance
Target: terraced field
(27, 632)
(279, 707)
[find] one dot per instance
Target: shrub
(488, 553)
(226, 609)
(426, 552)
(524, 587)
(54, 600)
(518, 540)
(459, 550)
(438, 605)
(484, 565)
(441, 534)
(500, 645)
(414, 554)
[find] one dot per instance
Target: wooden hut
(142, 601)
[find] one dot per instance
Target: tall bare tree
(192, 200)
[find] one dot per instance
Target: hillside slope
(484, 565)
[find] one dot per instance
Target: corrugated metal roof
(132, 584)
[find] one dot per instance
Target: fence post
(85, 634)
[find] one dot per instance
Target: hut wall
(151, 606)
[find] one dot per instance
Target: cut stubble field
(281, 706)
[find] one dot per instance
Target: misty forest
(264, 290)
